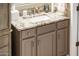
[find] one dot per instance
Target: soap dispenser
(14, 13)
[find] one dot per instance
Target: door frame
(77, 44)
(73, 30)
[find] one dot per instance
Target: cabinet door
(62, 42)
(4, 51)
(28, 47)
(45, 44)
(4, 15)
(4, 45)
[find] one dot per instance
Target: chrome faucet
(35, 10)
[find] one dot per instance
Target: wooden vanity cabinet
(5, 30)
(46, 40)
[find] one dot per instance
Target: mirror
(31, 8)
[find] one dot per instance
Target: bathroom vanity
(40, 30)
(49, 38)
(5, 30)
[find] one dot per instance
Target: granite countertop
(26, 23)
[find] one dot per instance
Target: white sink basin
(39, 19)
(56, 16)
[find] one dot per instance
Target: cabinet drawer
(62, 24)
(46, 28)
(4, 51)
(28, 33)
(3, 32)
(3, 40)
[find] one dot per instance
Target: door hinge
(77, 43)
